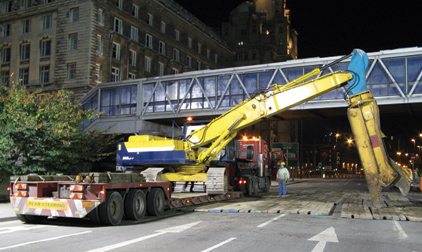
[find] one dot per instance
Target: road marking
(218, 245)
(348, 182)
(176, 229)
(268, 222)
(5, 230)
(44, 240)
(402, 234)
(329, 235)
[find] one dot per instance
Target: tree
(42, 134)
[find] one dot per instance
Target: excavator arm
(190, 158)
(363, 114)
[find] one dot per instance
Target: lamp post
(414, 143)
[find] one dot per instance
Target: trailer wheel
(155, 202)
(33, 219)
(111, 211)
(267, 184)
(94, 217)
(135, 205)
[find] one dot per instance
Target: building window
(115, 74)
(23, 76)
(162, 47)
(198, 65)
(73, 41)
(134, 34)
(46, 1)
(160, 69)
(147, 64)
(189, 61)
(135, 10)
(74, 15)
(71, 71)
(131, 76)
(132, 58)
(100, 16)
(208, 53)
(4, 77)
(163, 27)
(46, 22)
(118, 26)
(116, 51)
(216, 58)
(6, 6)
(6, 30)
(45, 48)
(148, 41)
(44, 74)
(5, 55)
(190, 42)
(150, 19)
(174, 71)
(26, 26)
(118, 3)
(98, 72)
(25, 4)
(176, 55)
(199, 48)
(24, 51)
(99, 44)
(177, 33)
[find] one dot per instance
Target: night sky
(334, 27)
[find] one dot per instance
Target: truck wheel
(267, 184)
(33, 219)
(155, 202)
(249, 186)
(255, 185)
(111, 211)
(135, 205)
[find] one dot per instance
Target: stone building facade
(259, 31)
(76, 44)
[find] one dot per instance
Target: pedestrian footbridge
(393, 76)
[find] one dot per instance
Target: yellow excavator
(187, 159)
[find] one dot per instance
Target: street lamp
(414, 142)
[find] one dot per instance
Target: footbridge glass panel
(392, 76)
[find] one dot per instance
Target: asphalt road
(208, 231)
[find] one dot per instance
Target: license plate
(47, 205)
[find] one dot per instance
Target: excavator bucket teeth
(402, 181)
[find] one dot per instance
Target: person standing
(283, 176)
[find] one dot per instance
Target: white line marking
(177, 229)
(268, 222)
(44, 240)
(17, 228)
(122, 244)
(402, 234)
(218, 245)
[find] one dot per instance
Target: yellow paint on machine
(46, 205)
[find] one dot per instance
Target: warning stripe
(374, 141)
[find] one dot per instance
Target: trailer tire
(135, 205)
(267, 184)
(155, 202)
(94, 217)
(111, 211)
